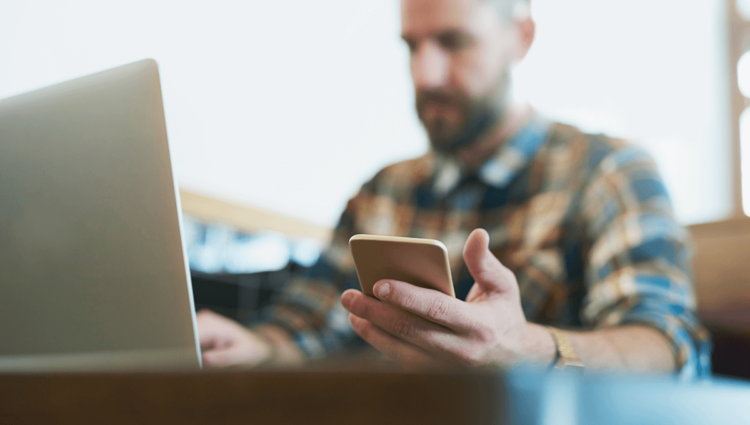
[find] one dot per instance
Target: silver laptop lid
(93, 272)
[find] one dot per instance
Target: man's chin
(440, 141)
(448, 138)
(443, 144)
(441, 134)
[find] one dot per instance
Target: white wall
(291, 104)
(652, 71)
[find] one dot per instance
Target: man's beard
(478, 115)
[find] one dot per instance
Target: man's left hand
(420, 327)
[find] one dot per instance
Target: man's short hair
(511, 9)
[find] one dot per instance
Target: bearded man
(563, 246)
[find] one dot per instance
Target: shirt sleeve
(309, 308)
(639, 258)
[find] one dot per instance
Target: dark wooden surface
(263, 397)
(730, 335)
(722, 279)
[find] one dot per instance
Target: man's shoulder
(589, 149)
(565, 135)
(406, 173)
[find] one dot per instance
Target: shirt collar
(502, 166)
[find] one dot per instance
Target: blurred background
(277, 111)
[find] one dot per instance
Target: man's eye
(411, 45)
(454, 41)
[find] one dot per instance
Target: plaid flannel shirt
(584, 222)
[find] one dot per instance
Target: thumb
(488, 273)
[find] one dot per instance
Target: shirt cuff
(690, 341)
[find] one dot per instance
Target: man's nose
(429, 67)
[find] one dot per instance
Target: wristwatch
(566, 355)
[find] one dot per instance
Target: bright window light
(745, 159)
(743, 7)
(291, 105)
(628, 68)
(743, 74)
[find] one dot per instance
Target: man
(578, 235)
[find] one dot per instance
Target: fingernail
(383, 290)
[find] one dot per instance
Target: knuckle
(483, 332)
(473, 356)
(478, 357)
(402, 327)
(438, 309)
(409, 300)
(481, 335)
(204, 314)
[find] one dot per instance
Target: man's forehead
(425, 17)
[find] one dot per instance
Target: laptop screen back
(92, 268)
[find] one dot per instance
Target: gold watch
(566, 354)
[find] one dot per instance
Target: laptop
(93, 271)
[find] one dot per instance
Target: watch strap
(566, 354)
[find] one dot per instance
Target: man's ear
(526, 32)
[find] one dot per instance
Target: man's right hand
(225, 342)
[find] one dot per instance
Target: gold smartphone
(420, 262)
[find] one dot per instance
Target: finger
(390, 346)
(223, 357)
(214, 330)
(242, 353)
(485, 268)
(429, 304)
(402, 324)
(207, 335)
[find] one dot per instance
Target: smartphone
(420, 262)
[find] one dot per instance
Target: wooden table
(367, 397)
(264, 397)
